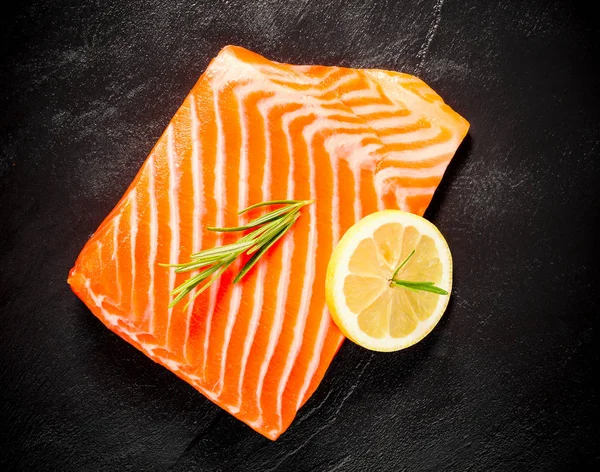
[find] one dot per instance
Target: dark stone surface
(504, 383)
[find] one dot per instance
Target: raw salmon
(253, 130)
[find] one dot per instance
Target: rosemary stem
(266, 230)
(414, 286)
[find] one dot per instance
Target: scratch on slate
(341, 463)
(287, 455)
(437, 17)
(352, 388)
(192, 444)
(315, 409)
(518, 184)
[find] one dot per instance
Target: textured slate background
(504, 383)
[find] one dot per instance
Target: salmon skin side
(252, 130)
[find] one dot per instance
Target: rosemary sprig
(416, 286)
(266, 231)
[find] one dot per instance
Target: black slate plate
(505, 382)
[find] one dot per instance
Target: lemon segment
(365, 305)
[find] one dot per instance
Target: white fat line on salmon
(378, 102)
(338, 84)
(284, 277)
(396, 169)
(408, 136)
(258, 297)
(133, 223)
(324, 325)
(420, 191)
(220, 201)
(422, 138)
(197, 186)
(369, 93)
(115, 254)
(220, 167)
(349, 137)
(234, 306)
(173, 195)
(125, 330)
(302, 76)
(236, 292)
(149, 313)
(310, 133)
(402, 193)
(436, 153)
(309, 271)
(265, 107)
(347, 144)
(266, 183)
(335, 206)
(313, 92)
(98, 300)
(241, 93)
(398, 93)
(393, 122)
(356, 154)
(283, 285)
(373, 110)
(313, 83)
(338, 139)
(272, 73)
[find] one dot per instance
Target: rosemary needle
(266, 231)
(416, 286)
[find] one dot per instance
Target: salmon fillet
(253, 130)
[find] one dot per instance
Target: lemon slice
(362, 292)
